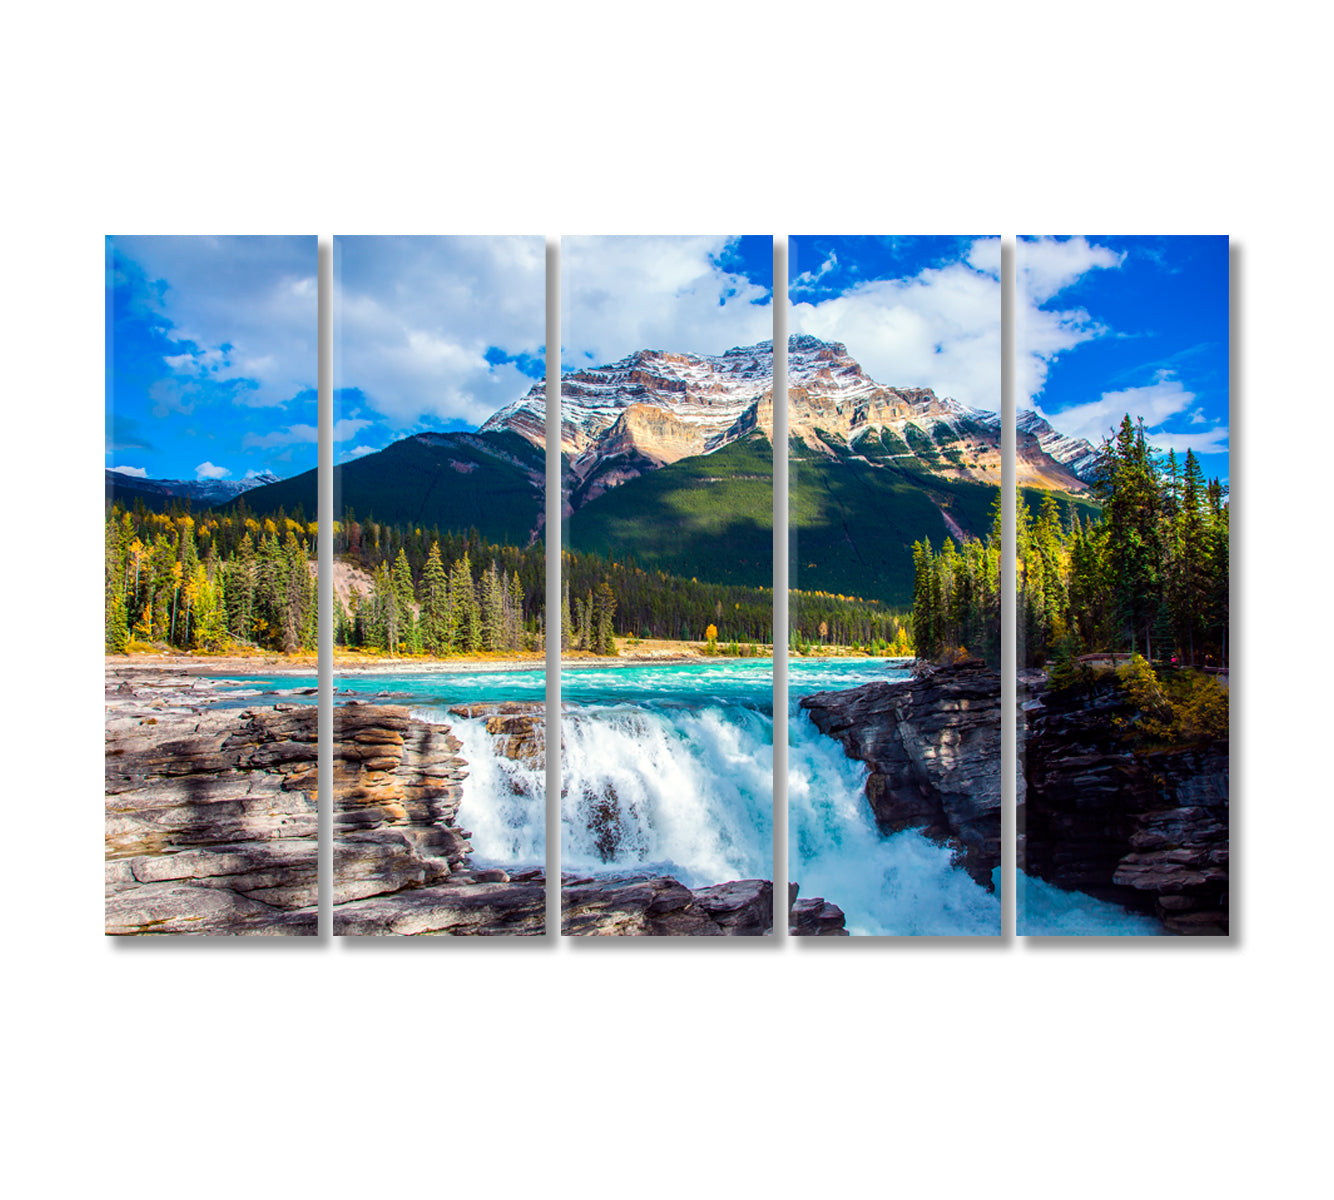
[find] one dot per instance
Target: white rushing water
(897, 884)
(687, 790)
(670, 770)
(503, 801)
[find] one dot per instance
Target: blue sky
(1138, 325)
(914, 311)
(210, 356)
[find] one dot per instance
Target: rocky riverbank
(1144, 827)
(933, 748)
(211, 828)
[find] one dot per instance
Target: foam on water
(503, 801)
(1043, 908)
(897, 884)
(670, 769)
(685, 790)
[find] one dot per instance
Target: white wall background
(649, 1069)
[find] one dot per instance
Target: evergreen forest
(1147, 576)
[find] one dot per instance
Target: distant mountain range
(654, 408)
(667, 460)
(158, 493)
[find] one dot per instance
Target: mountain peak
(655, 407)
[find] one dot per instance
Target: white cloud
(248, 305)
(939, 329)
(137, 472)
(622, 294)
(1212, 441)
(1158, 402)
(808, 279)
(343, 430)
(1046, 267)
(206, 470)
(415, 317)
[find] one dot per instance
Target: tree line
(445, 611)
(208, 581)
(222, 578)
(1149, 575)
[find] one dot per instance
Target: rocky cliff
(1142, 826)
(933, 748)
(1146, 828)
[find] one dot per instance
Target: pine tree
(117, 628)
(435, 604)
(566, 620)
(403, 598)
(604, 636)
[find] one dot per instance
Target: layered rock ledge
(933, 747)
(211, 816)
(211, 828)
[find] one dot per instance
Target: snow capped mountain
(1077, 454)
(654, 407)
(198, 491)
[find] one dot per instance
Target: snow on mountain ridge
(208, 491)
(654, 407)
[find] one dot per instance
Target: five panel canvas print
(896, 656)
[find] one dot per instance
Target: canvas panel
(667, 569)
(894, 759)
(439, 581)
(1123, 573)
(211, 726)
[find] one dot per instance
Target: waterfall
(503, 802)
(897, 884)
(684, 790)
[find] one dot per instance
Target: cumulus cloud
(206, 470)
(416, 317)
(939, 329)
(137, 472)
(1157, 403)
(622, 294)
(343, 430)
(241, 309)
(1212, 441)
(1046, 267)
